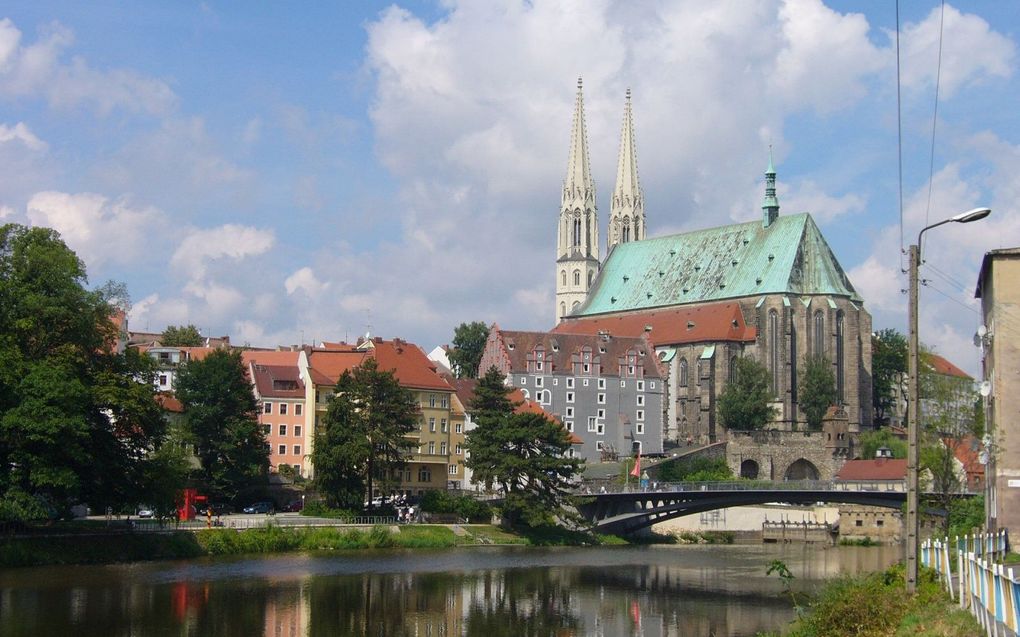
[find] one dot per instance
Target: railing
(739, 485)
(990, 590)
(156, 526)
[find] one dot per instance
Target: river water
(485, 591)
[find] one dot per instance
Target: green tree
(522, 455)
(363, 435)
(182, 336)
(78, 422)
(888, 368)
(468, 345)
(817, 390)
(871, 441)
(221, 416)
(744, 402)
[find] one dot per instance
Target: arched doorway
(749, 469)
(801, 470)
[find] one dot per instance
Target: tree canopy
(888, 367)
(78, 421)
(522, 455)
(181, 336)
(817, 390)
(872, 441)
(744, 403)
(363, 434)
(221, 418)
(468, 345)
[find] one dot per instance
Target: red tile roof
(560, 348)
(278, 381)
(169, 403)
(695, 324)
(874, 469)
(942, 366)
(270, 357)
(409, 364)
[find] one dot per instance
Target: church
(770, 288)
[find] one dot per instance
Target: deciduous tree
(744, 402)
(817, 390)
(888, 368)
(468, 345)
(181, 336)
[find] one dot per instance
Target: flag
(636, 471)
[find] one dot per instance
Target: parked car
(261, 507)
(217, 508)
(293, 506)
(145, 512)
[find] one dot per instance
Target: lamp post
(914, 396)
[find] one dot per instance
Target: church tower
(627, 208)
(577, 251)
(770, 205)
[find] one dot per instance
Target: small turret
(770, 206)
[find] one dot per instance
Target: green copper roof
(790, 256)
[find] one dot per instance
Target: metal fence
(738, 485)
(988, 589)
(242, 523)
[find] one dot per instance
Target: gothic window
(683, 372)
(591, 275)
(574, 307)
(840, 371)
(774, 349)
(577, 277)
(577, 231)
(819, 334)
(563, 309)
(563, 277)
(626, 233)
(793, 360)
(733, 369)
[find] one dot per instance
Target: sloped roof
(278, 381)
(940, 365)
(711, 322)
(559, 348)
(409, 364)
(727, 262)
(874, 469)
(270, 357)
(326, 366)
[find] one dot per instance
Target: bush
(695, 470)
(465, 506)
(318, 509)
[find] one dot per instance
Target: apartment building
(280, 391)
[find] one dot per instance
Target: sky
(290, 174)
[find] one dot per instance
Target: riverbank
(136, 547)
(877, 605)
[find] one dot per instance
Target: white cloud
(971, 52)
(6, 211)
(98, 229)
(221, 301)
(20, 132)
(808, 196)
(38, 69)
(230, 241)
(304, 280)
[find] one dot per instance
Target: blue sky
(285, 175)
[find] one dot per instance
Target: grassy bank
(132, 547)
(877, 605)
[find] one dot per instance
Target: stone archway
(801, 469)
(749, 469)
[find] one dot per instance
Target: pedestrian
(690, 440)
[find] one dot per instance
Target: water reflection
(488, 593)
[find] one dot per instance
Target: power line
(928, 284)
(935, 117)
(899, 133)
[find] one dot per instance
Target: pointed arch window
(774, 349)
(626, 233)
(577, 232)
(683, 372)
(733, 369)
(563, 309)
(840, 363)
(591, 275)
(577, 277)
(563, 277)
(818, 348)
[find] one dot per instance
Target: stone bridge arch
(801, 469)
(777, 453)
(749, 469)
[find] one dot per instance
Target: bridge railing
(735, 485)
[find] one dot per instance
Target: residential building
(280, 392)
(998, 287)
(607, 390)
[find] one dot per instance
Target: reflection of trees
(527, 602)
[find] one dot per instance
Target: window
(601, 414)
(840, 372)
(570, 383)
(162, 380)
(283, 409)
(282, 450)
(563, 278)
(858, 522)
(570, 396)
(733, 369)
(569, 425)
(524, 380)
(600, 429)
(602, 399)
(556, 382)
(267, 408)
(432, 424)
(879, 522)
(432, 447)
(640, 400)
(442, 448)
(538, 382)
(266, 429)
(591, 423)
(577, 277)
(443, 426)
(774, 349)
(651, 385)
(586, 380)
(586, 368)
(283, 430)
(432, 400)
(640, 385)
(444, 401)
(570, 412)
(599, 445)
(545, 397)
(819, 334)
(453, 469)
(298, 409)
(458, 428)
(683, 372)
(460, 449)
(297, 430)
(640, 415)
(297, 450)
(602, 383)
(424, 474)
(639, 428)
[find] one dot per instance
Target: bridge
(621, 510)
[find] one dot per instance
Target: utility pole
(913, 424)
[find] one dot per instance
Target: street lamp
(914, 396)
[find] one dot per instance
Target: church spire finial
(770, 206)
(578, 187)
(627, 208)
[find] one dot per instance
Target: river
(485, 591)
